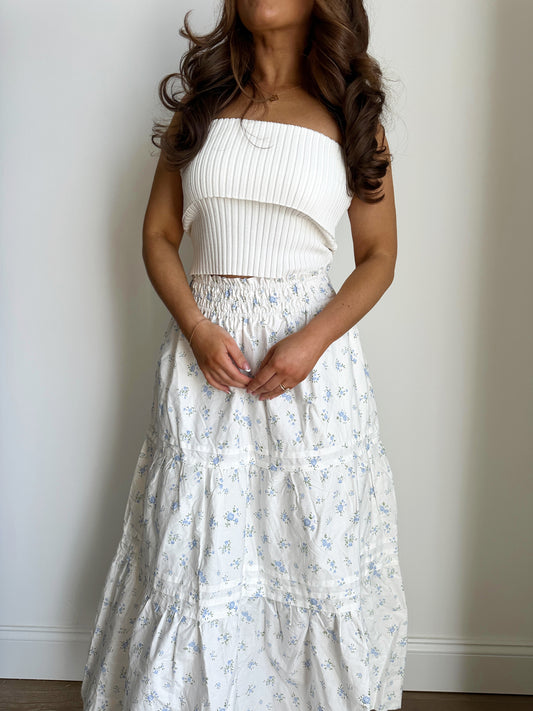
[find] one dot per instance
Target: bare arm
(162, 235)
(215, 350)
(374, 237)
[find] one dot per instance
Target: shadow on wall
(498, 588)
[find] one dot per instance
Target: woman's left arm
(374, 237)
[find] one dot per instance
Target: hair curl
(340, 74)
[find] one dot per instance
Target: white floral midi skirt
(258, 565)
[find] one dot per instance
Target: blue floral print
(258, 565)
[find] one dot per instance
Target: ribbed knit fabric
(263, 199)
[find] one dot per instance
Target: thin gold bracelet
(196, 325)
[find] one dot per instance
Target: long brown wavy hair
(339, 73)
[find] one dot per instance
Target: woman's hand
(216, 353)
(289, 361)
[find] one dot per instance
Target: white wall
(449, 345)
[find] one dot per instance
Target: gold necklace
(275, 97)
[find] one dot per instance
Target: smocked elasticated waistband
(249, 293)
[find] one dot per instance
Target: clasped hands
(288, 361)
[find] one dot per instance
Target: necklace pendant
(274, 97)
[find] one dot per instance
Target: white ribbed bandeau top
(263, 201)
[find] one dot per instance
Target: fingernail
(247, 366)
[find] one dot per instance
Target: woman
(258, 565)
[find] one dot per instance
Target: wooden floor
(42, 695)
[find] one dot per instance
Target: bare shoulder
(163, 215)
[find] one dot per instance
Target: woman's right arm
(162, 232)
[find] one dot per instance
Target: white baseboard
(43, 652)
(433, 664)
(468, 666)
